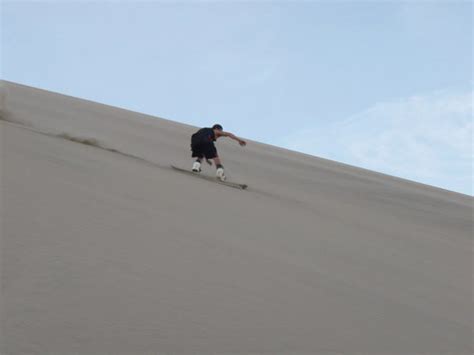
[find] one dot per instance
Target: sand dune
(106, 250)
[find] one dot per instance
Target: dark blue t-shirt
(204, 135)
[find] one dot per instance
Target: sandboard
(209, 178)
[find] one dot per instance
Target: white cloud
(424, 138)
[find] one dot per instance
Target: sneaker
(220, 174)
(196, 167)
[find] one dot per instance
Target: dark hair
(217, 126)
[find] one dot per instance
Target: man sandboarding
(202, 146)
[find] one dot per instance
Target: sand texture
(105, 249)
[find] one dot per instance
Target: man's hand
(242, 142)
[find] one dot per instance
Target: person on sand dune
(202, 146)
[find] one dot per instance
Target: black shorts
(204, 150)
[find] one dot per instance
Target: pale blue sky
(385, 85)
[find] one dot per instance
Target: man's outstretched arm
(232, 136)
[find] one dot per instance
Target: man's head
(217, 127)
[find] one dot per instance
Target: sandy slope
(109, 251)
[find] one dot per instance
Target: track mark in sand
(92, 142)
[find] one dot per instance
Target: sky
(382, 85)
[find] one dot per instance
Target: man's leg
(198, 154)
(197, 165)
(217, 161)
(220, 169)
